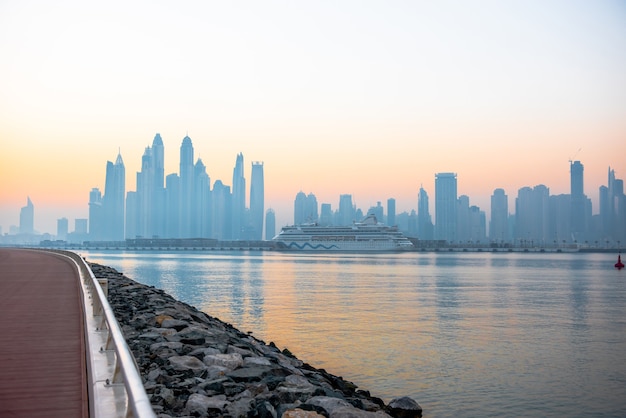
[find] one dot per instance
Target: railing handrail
(125, 368)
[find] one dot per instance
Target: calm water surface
(464, 334)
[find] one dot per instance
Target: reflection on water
(471, 334)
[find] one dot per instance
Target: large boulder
(404, 407)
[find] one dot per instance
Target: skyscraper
(257, 200)
(424, 221)
(238, 198)
(145, 190)
(114, 200)
(270, 224)
(346, 210)
(299, 208)
(391, 211)
(221, 211)
(578, 218)
(27, 218)
(377, 211)
(445, 206)
(532, 210)
(499, 224)
(186, 188)
(463, 219)
(158, 226)
(201, 216)
(172, 206)
(326, 214)
(62, 228)
(96, 225)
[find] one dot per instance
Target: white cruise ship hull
(366, 236)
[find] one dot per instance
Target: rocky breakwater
(198, 366)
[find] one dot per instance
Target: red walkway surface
(42, 355)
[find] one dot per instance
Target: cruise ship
(366, 236)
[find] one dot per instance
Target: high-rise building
(186, 188)
(270, 224)
(477, 225)
(613, 210)
(158, 161)
(446, 206)
(239, 198)
(425, 230)
(311, 208)
(305, 208)
(96, 226)
(62, 229)
(80, 226)
(326, 214)
(299, 208)
(377, 211)
(159, 222)
(257, 200)
(201, 216)
(499, 223)
(532, 215)
(560, 219)
(132, 214)
(221, 211)
(578, 216)
(172, 206)
(27, 218)
(113, 201)
(346, 210)
(391, 211)
(463, 227)
(145, 188)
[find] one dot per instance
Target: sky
(369, 98)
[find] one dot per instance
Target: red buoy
(619, 265)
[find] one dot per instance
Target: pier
(61, 351)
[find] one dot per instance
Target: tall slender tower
(257, 200)
(158, 205)
(113, 202)
(270, 224)
(95, 215)
(578, 220)
(202, 189)
(425, 229)
(299, 208)
(391, 211)
(239, 198)
(445, 206)
(27, 218)
(186, 188)
(145, 189)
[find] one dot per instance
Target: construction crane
(575, 154)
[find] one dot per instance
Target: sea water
(465, 334)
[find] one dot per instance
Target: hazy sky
(370, 98)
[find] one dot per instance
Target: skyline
(361, 98)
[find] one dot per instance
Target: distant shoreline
(269, 246)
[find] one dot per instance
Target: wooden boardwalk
(42, 346)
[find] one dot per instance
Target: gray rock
(177, 324)
(229, 361)
(256, 361)
(249, 374)
(199, 405)
(182, 363)
(352, 412)
(405, 407)
(329, 404)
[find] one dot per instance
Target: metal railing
(115, 385)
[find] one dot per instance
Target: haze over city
(366, 98)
